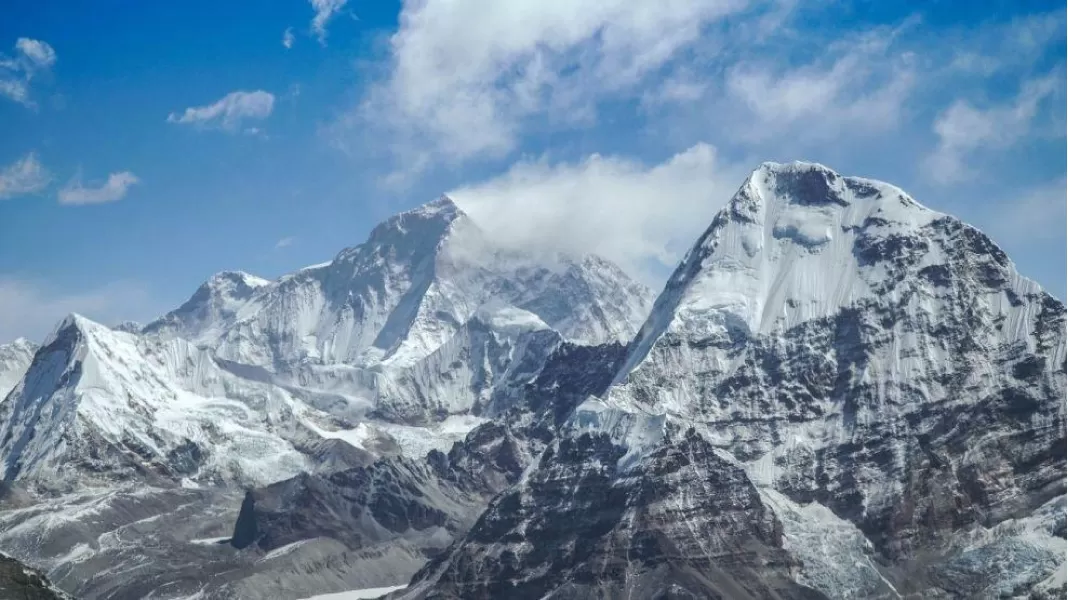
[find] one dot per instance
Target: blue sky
(149, 145)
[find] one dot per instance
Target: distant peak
(72, 324)
(441, 208)
(129, 327)
(443, 202)
(429, 223)
(239, 277)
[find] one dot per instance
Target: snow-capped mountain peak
(15, 358)
(382, 338)
(400, 295)
(799, 242)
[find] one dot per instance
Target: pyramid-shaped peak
(72, 326)
(425, 224)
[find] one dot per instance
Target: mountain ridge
(839, 393)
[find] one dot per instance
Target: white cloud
(858, 85)
(24, 176)
(38, 54)
(31, 309)
(112, 190)
(285, 242)
(16, 72)
(466, 76)
(324, 12)
(641, 217)
(680, 88)
(229, 112)
(287, 38)
(16, 90)
(963, 129)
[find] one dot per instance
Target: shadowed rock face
(684, 523)
(19, 582)
(246, 530)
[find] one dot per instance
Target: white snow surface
(364, 594)
(781, 254)
(397, 340)
(15, 358)
(401, 295)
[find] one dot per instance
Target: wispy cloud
(645, 216)
(288, 38)
(1001, 46)
(30, 308)
(112, 190)
(24, 176)
(325, 10)
(285, 242)
(963, 129)
(31, 58)
(859, 85)
(229, 112)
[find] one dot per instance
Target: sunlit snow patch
(364, 594)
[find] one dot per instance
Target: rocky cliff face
(17, 581)
(681, 523)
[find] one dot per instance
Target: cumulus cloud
(31, 58)
(325, 10)
(229, 112)
(964, 129)
(287, 38)
(112, 190)
(30, 308)
(641, 217)
(24, 176)
(465, 76)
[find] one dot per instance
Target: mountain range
(838, 393)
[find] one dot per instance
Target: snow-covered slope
(15, 358)
(397, 345)
(406, 291)
(102, 402)
(423, 320)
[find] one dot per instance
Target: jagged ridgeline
(839, 393)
